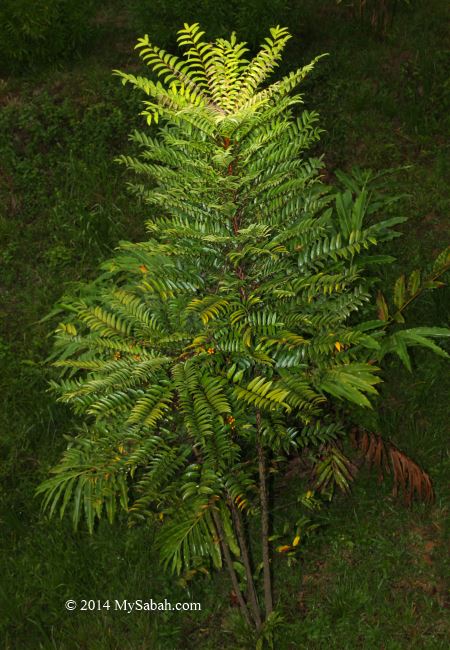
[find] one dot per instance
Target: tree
(207, 354)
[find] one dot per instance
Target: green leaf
(413, 282)
(399, 347)
(383, 311)
(399, 292)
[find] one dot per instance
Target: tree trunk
(252, 597)
(268, 602)
(230, 567)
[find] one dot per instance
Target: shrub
(233, 336)
(39, 32)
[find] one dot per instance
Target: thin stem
(230, 567)
(264, 521)
(253, 599)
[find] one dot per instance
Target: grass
(374, 576)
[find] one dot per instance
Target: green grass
(374, 576)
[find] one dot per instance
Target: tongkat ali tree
(205, 356)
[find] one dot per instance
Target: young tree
(208, 353)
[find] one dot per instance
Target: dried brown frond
(408, 478)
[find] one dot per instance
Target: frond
(152, 406)
(334, 469)
(178, 74)
(350, 381)
(90, 478)
(263, 394)
(189, 538)
(264, 63)
(399, 342)
(319, 433)
(408, 478)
